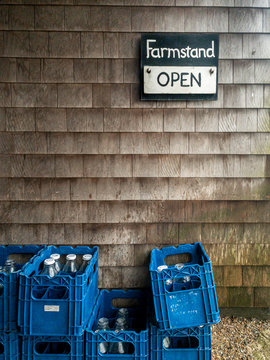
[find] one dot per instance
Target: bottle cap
(162, 267)
(49, 261)
(87, 257)
(120, 321)
(123, 311)
(71, 257)
(103, 321)
(179, 266)
(9, 262)
(166, 342)
(55, 256)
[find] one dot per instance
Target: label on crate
(52, 308)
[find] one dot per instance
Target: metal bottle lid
(9, 262)
(120, 321)
(123, 311)
(179, 266)
(71, 257)
(162, 267)
(166, 342)
(49, 261)
(55, 256)
(87, 257)
(103, 321)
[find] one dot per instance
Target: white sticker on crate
(52, 308)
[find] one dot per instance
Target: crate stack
(185, 304)
(56, 318)
(53, 312)
(9, 284)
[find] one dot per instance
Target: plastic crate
(52, 347)
(186, 344)
(9, 346)
(61, 305)
(135, 340)
(179, 305)
(9, 285)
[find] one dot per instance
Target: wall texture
(84, 161)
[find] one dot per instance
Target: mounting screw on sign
(148, 71)
(211, 71)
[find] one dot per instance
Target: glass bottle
(168, 284)
(49, 268)
(10, 266)
(119, 347)
(86, 260)
(57, 264)
(103, 325)
(70, 265)
(122, 313)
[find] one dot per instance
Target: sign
(177, 67)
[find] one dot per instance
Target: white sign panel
(180, 79)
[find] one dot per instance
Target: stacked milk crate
(185, 304)
(119, 327)
(13, 260)
(57, 293)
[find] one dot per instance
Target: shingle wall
(84, 161)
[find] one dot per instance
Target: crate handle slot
(2, 348)
(39, 292)
(50, 292)
(111, 348)
(173, 259)
(125, 302)
(183, 283)
(180, 342)
(21, 258)
(52, 348)
(196, 252)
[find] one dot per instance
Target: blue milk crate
(136, 340)
(186, 344)
(178, 304)
(9, 285)
(9, 346)
(60, 305)
(52, 347)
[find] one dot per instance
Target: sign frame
(173, 41)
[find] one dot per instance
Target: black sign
(177, 67)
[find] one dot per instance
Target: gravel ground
(241, 339)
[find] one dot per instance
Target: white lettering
(194, 53)
(174, 51)
(210, 52)
(187, 52)
(183, 53)
(155, 53)
(148, 48)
